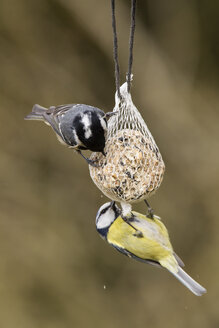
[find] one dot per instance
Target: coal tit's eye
(103, 123)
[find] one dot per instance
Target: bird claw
(92, 163)
(138, 234)
(150, 213)
(89, 161)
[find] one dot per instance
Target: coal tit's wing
(54, 117)
(61, 109)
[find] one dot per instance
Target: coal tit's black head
(90, 128)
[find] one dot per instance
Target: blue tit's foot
(150, 210)
(137, 233)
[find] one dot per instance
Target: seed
(131, 169)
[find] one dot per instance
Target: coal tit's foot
(89, 161)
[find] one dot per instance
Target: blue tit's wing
(152, 229)
(160, 232)
(179, 260)
(131, 255)
(122, 250)
(154, 245)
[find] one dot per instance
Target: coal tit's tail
(37, 113)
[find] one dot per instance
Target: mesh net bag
(133, 167)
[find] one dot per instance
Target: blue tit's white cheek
(106, 219)
(102, 210)
(86, 121)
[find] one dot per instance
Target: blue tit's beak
(115, 209)
(109, 114)
(112, 204)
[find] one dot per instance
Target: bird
(79, 126)
(152, 246)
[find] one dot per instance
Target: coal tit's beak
(109, 114)
(103, 152)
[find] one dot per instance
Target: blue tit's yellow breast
(154, 245)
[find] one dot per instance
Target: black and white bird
(79, 126)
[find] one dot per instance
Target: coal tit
(78, 126)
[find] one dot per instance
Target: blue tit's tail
(190, 283)
(37, 113)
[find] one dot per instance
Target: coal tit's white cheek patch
(86, 121)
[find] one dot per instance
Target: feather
(190, 283)
(37, 113)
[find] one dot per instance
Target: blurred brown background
(53, 264)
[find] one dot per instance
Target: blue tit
(78, 126)
(151, 246)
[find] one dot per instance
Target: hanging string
(131, 43)
(115, 49)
